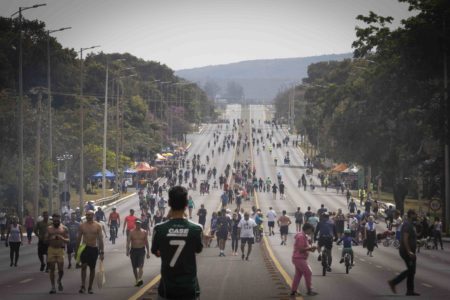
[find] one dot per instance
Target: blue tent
(108, 175)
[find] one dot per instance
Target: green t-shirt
(40, 229)
(178, 240)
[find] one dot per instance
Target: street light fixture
(82, 125)
(50, 118)
(21, 160)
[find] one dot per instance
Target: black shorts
(137, 256)
(250, 241)
(89, 256)
(271, 223)
(42, 248)
(71, 247)
(298, 222)
(284, 230)
(222, 235)
(325, 241)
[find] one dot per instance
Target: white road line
(26, 280)
(427, 285)
(379, 267)
(362, 259)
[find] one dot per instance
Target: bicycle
(258, 233)
(391, 240)
(326, 256)
(347, 262)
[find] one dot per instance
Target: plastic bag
(101, 279)
(79, 251)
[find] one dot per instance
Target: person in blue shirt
(347, 240)
(326, 231)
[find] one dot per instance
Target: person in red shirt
(114, 220)
(129, 222)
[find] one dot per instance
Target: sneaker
(243, 256)
(42, 267)
(311, 293)
(52, 291)
(412, 293)
(319, 258)
(392, 286)
(60, 286)
(140, 282)
(90, 291)
(341, 261)
(82, 290)
(329, 269)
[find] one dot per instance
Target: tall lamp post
(50, 120)
(82, 126)
(19, 12)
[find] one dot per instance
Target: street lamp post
(50, 120)
(21, 162)
(82, 126)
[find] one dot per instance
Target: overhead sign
(435, 204)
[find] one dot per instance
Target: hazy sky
(193, 33)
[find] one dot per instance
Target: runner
(176, 242)
(234, 233)
(300, 260)
(283, 222)
(129, 222)
(57, 236)
(29, 226)
(137, 243)
(91, 235)
(245, 232)
(72, 227)
(191, 206)
(271, 217)
(14, 239)
(40, 230)
(281, 187)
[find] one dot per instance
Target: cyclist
(259, 229)
(325, 230)
(114, 220)
(347, 240)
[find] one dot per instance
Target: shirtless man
(56, 236)
(283, 222)
(91, 235)
(138, 240)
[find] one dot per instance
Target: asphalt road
(229, 277)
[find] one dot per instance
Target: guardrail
(107, 200)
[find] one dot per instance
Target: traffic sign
(435, 204)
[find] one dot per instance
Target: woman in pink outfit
(300, 259)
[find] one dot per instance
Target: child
(348, 240)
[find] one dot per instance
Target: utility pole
(50, 122)
(446, 133)
(37, 163)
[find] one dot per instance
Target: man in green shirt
(176, 242)
(40, 230)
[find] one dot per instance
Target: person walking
(371, 235)
(407, 250)
(29, 226)
(339, 222)
(300, 260)
(129, 222)
(223, 227)
(298, 219)
(177, 242)
(246, 234)
(437, 233)
(271, 217)
(201, 213)
(234, 233)
(40, 230)
(14, 239)
(283, 222)
(137, 244)
(73, 228)
(191, 206)
(90, 233)
(57, 237)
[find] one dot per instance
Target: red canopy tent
(144, 167)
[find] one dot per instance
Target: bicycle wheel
(386, 243)
(396, 244)
(346, 268)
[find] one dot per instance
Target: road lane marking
(147, 287)
(427, 285)
(362, 259)
(379, 267)
(26, 280)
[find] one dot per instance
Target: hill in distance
(261, 79)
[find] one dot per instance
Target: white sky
(192, 33)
